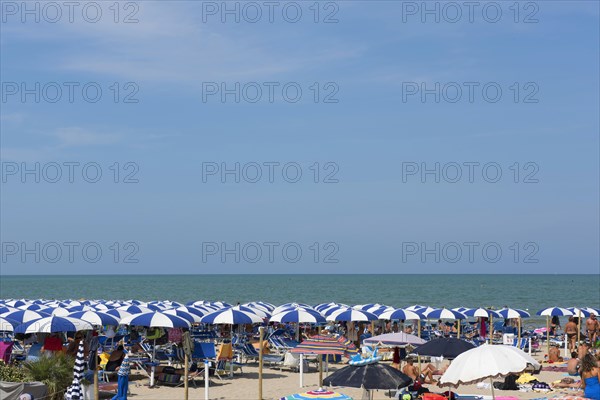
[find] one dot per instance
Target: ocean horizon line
(310, 274)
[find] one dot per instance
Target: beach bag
(169, 378)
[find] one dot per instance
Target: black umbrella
(370, 376)
(444, 347)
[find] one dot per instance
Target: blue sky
(370, 220)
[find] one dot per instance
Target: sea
(529, 292)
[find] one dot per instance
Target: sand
(280, 383)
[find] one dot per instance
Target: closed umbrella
(75, 391)
(486, 362)
(123, 379)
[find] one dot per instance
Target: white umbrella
(486, 362)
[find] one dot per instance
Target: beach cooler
(509, 339)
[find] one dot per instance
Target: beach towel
(526, 378)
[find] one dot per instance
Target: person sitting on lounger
(425, 376)
(115, 359)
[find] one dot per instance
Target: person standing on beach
(592, 326)
(571, 332)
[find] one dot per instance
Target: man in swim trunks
(592, 326)
(413, 372)
(571, 331)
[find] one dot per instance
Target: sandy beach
(280, 383)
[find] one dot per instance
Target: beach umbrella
(191, 318)
(551, 312)
(193, 310)
(75, 391)
(118, 314)
(370, 376)
(155, 319)
(17, 303)
(395, 339)
(579, 312)
(351, 315)
(261, 305)
(480, 312)
(6, 325)
(135, 309)
(514, 313)
(317, 394)
(331, 309)
(57, 311)
(444, 347)
(123, 379)
(591, 310)
(23, 316)
(54, 324)
(261, 313)
(95, 318)
(401, 313)
(33, 307)
(7, 309)
(486, 362)
(290, 306)
(230, 316)
(444, 313)
(299, 315)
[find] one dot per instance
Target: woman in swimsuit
(590, 377)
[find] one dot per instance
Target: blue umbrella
(552, 311)
(230, 316)
(54, 324)
(444, 313)
(299, 315)
(513, 313)
(135, 309)
(96, 318)
(402, 314)
(24, 316)
(351, 314)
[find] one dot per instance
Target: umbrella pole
(185, 375)
(492, 386)
(153, 367)
(519, 333)
(301, 369)
(579, 327)
(96, 387)
(321, 370)
(491, 332)
(547, 336)
(458, 334)
(206, 378)
(261, 331)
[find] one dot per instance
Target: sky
(299, 137)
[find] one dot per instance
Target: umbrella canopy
(135, 309)
(119, 314)
(481, 312)
(552, 311)
(95, 318)
(444, 347)
(370, 376)
(444, 313)
(231, 317)
(513, 313)
(579, 311)
(75, 391)
(24, 316)
(191, 318)
(253, 310)
(320, 344)
(6, 325)
(401, 313)
(485, 362)
(299, 315)
(395, 339)
(317, 394)
(54, 324)
(350, 314)
(155, 320)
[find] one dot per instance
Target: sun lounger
(34, 353)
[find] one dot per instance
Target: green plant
(11, 373)
(55, 371)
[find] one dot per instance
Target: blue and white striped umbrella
(401, 313)
(324, 306)
(554, 311)
(191, 318)
(23, 316)
(481, 312)
(155, 319)
(6, 325)
(579, 311)
(17, 303)
(58, 311)
(444, 313)
(299, 315)
(193, 310)
(290, 306)
(331, 309)
(260, 313)
(421, 309)
(119, 314)
(95, 318)
(75, 391)
(33, 307)
(7, 309)
(135, 309)
(379, 309)
(81, 307)
(513, 313)
(229, 316)
(351, 315)
(592, 310)
(54, 324)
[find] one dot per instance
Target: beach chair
(34, 353)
